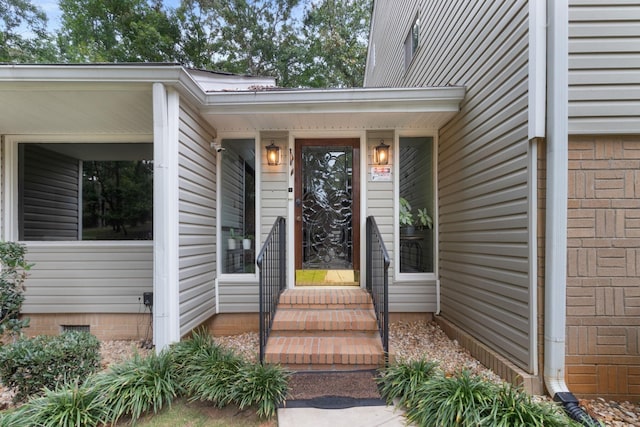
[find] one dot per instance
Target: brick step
(325, 353)
(339, 298)
(316, 320)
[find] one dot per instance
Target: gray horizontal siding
(49, 195)
(197, 221)
(604, 67)
(482, 158)
(88, 277)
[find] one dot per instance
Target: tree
(23, 33)
(336, 34)
(247, 37)
(117, 31)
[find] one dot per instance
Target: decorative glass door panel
(327, 204)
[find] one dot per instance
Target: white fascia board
(171, 75)
(336, 101)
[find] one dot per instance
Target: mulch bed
(333, 389)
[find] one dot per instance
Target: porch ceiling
(337, 109)
(72, 108)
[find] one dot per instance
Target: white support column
(166, 318)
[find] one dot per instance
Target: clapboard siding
(197, 221)
(74, 277)
(49, 195)
(483, 154)
(604, 67)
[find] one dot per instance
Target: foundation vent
(75, 328)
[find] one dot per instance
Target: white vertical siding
(482, 160)
(197, 218)
(604, 67)
(83, 277)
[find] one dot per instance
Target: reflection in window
(416, 205)
(85, 192)
(238, 206)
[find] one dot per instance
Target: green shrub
(31, 364)
(209, 375)
(13, 272)
(265, 386)
(70, 406)
(209, 372)
(13, 418)
(401, 380)
(137, 385)
(513, 407)
(461, 400)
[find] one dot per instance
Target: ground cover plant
(197, 369)
(433, 399)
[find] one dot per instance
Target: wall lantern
(381, 154)
(273, 154)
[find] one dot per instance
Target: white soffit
(369, 108)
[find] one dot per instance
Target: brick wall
(603, 271)
(105, 326)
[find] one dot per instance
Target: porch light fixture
(273, 154)
(381, 154)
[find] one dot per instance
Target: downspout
(556, 210)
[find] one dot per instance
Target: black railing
(378, 279)
(272, 272)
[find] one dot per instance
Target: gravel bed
(409, 341)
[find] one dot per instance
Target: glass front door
(327, 204)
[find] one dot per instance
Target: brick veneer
(103, 325)
(603, 268)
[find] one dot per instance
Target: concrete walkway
(356, 416)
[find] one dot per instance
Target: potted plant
(246, 241)
(408, 222)
(231, 242)
(406, 217)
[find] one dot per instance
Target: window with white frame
(85, 191)
(238, 206)
(411, 43)
(416, 185)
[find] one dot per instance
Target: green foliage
(460, 400)
(13, 418)
(70, 405)
(263, 385)
(13, 272)
(29, 365)
(117, 31)
(434, 400)
(136, 386)
(23, 34)
(117, 196)
(401, 380)
(209, 372)
(513, 407)
(335, 36)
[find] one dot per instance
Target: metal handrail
(272, 273)
(377, 271)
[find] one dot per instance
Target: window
(416, 205)
(411, 43)
(85, 192)
(238, 206)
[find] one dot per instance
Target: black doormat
(333, 390)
